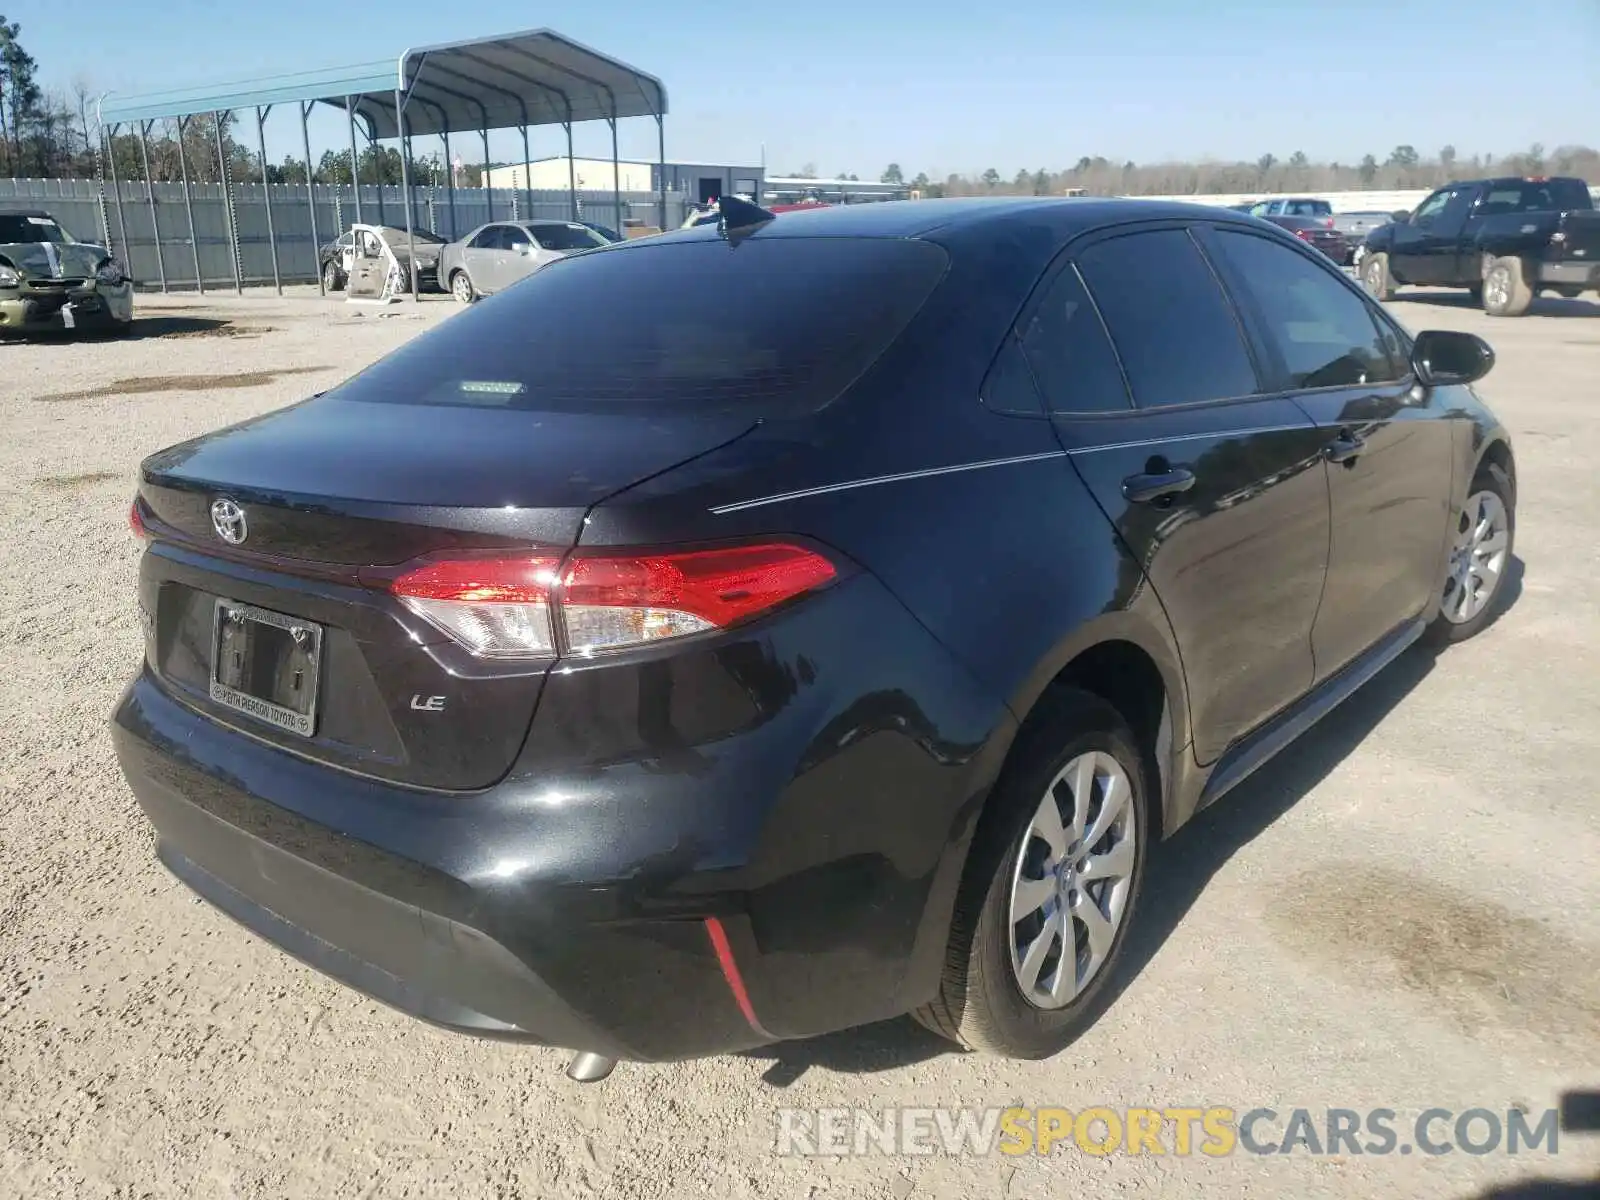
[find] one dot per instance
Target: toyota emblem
(227, 518)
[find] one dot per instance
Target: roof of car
(24, 210)
(1069, 215)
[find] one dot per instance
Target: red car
(1317, 231)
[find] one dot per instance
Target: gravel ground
(1402, 912)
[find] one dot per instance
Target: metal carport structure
(508, 81)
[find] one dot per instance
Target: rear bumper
(1570, 274)
(752, 841)
(504, 951)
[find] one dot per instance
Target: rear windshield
(1548, 195)
(15, 228)
(768, 327)
(1309, 208)
(565, 237)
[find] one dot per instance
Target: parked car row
(487, 259)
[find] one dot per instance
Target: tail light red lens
(1328, 223)
(136, 521)
(1303, 234)
(522, 607)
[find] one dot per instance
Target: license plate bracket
(266, 665)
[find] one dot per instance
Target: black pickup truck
(1505, 240)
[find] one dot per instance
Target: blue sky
(935, 86)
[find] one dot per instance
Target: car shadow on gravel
(1544, 306)
(1179, 870)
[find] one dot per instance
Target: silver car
(494, 256)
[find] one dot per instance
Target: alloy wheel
(1372, 276)
(1477, 561)
(461, 288)
(1072, 880)
(1497, 287)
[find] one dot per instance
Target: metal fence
(169, 258)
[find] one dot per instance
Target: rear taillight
(1303, 234)
(1328, 223)
(531, 608)
(136, 521)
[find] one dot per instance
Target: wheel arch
(1496, 451)
(1134, 667)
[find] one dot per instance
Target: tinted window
(1173, 328)
(15, 229)
(1321, 329)
(566, 237)
(620, 330)
(1547, 195)
(488, 239)
(1071, 357)
(513, 236)
(1010, 386)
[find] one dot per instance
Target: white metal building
(700, 181)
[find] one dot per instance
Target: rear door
(1216, 489)
(1389, 456)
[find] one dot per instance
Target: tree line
(1403, 169)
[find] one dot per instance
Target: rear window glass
(1310, 208)
(15, 228)
(768, 327)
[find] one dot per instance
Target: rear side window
(1321, 329)
(1071, 357)
(1548, 195)
(770, 327)
(1174, 330)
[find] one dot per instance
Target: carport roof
(535, 78)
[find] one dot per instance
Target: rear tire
(1375, 277)
(1078, 902)
(1480, 559)
(1506, 291)
(332, 278)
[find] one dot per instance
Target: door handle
(1344, 448)
(1143, 489)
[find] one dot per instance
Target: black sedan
(658, 679)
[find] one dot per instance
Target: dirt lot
(1402, 912)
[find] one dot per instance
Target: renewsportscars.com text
(1212, 1132)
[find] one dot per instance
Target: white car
(494, 256)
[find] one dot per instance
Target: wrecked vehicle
(50, 281)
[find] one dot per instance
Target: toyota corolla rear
(401, 714)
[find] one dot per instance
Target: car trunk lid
(263, 587)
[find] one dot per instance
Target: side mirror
(1400, 216)
(1442, 357)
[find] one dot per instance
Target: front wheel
(1375, 276)
(1480, 558)
(1050, 888)
(461, 287)
(332, 280)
